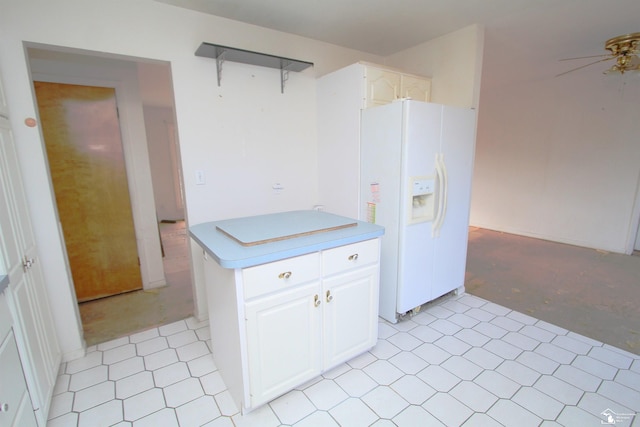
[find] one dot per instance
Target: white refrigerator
(416, 164)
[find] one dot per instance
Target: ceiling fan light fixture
(625, 64)
(625, 49)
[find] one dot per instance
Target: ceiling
(524, 39)
(535, 29)
(380, 27)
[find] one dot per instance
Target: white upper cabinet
(341, 97)
(414, 87)
(385, 85)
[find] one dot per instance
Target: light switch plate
(200, 178)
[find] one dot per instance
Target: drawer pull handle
(284, 275)
(316, 301)
(4, 407)
(329, 296)
(353, 257)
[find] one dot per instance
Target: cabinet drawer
(279, 275)
(346, 257)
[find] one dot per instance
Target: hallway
(117, 316)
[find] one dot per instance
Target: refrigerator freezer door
(380, 172)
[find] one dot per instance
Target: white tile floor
(463, 361)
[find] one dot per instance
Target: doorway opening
(120, 315)
(146, 113)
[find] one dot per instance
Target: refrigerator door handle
(434, 226)
(443, 188)
(445, 194)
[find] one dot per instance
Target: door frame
(633, 240)
(138, 176)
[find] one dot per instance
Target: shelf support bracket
(219, 62)
(284, 73)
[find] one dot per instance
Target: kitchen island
(290, 296)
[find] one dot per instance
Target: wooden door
(86, 160)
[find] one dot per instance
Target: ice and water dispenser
(421, 199)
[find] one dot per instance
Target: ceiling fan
(624, 49)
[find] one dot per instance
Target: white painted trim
(176, 170)
(633, 238)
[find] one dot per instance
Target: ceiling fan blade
(579, 68)
(585, 57)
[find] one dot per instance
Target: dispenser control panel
(423, 186)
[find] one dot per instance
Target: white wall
(454, 63)
(245, 135)
(557, 157)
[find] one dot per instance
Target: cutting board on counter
(261, 229)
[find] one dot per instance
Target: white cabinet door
(33, 344)
(416, 88)
(17, 410)
(283, 341)
(14, 398)
(383, 86)
(24, 414)
(26, 294)
(350, 314)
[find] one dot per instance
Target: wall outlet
(277, 188)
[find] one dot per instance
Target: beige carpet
(593, 293)
(113, 317)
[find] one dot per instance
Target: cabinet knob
(316, 301)
(329, 296)
(4, 407)
(353, 257)
(284, 275)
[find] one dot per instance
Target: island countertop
(248, 241)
